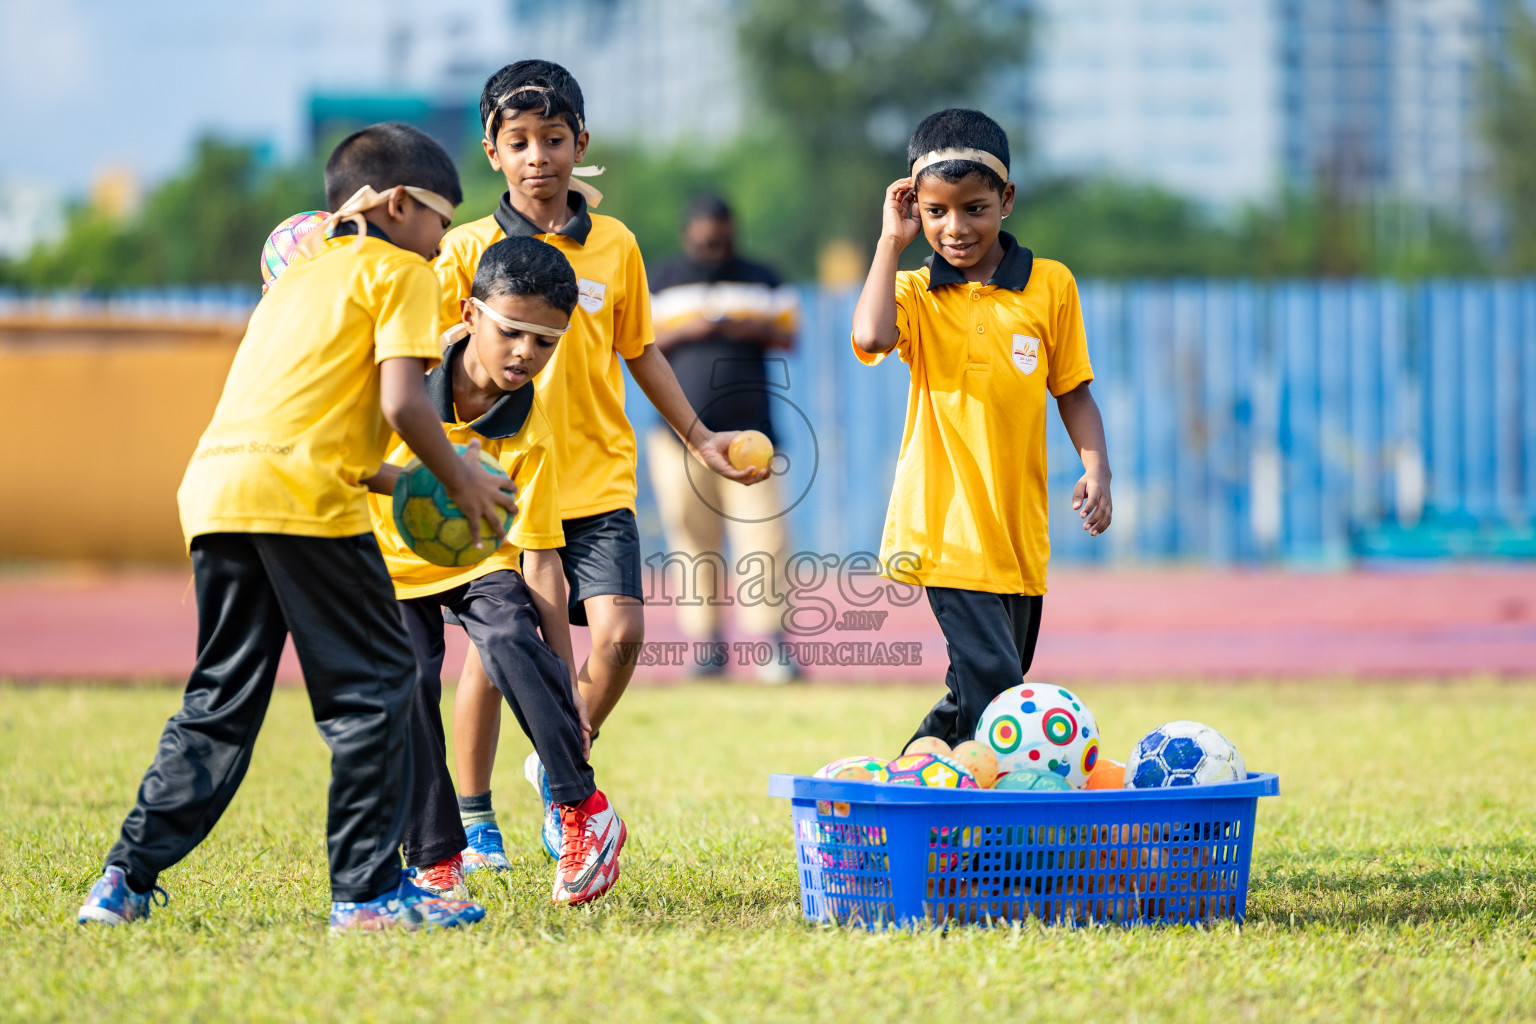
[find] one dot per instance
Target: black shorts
(601, 556)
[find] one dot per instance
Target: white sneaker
(549, 829)
(591, 836)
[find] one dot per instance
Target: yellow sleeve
(537, 526)
(906, 340)
(1066, 347)
(456, 276)
(632, 326)
(405, 313)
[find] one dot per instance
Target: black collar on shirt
(576, 229)
(503, 419)
(1012, 273)
(348, 227)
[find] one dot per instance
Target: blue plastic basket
(876, 855)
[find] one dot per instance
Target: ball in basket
(432, 526)
(1183, 754)
(1107, 774)
(928, 745)
(851, 768)
(1032, 778)
(979, 758)
(1038, 726)
(931, 770)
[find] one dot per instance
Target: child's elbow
(870, 342)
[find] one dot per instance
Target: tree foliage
(842, 83)
(205, 225)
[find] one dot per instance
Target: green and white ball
(434, 527)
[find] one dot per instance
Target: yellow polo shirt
(516, 433)
(582, 388)
(970, 497)
(299, 424)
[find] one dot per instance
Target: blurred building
(660, 72)
(1231, 101)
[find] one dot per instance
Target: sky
(86, 84)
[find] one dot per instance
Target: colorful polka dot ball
(1183, 754)
(859, 767)
(282, 246)
(1049, 728)
(932, 770)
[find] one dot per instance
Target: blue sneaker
(538, 778)
(112, 902)
(410, 907)
(484, 852)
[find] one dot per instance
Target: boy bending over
(275, 513)
(519, 307)
(987, 330)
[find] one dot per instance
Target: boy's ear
(490, 153)
(581, 145)
(1008, 195)
(395, 206)
(467, 312)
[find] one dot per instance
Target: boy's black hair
(554, 94)
(526, 266)
(958, 128)
(707, 206)
(386, 155)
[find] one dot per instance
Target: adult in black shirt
(718, 320)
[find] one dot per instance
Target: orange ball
(980, 759)
(927, 745)
(750, 449)
(1107, 774)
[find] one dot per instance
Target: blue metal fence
(1300, 421)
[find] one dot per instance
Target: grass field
(1393, 879)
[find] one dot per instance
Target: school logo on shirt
(1026, 353)
(591, 295)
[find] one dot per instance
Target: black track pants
(335, 597)
(497, 612)
(990, 639)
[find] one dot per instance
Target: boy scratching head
(958, 161)
(535, 129)
(398, 179)
(521, 303)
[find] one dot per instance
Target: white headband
(977, 156)
(594, 197)
(366, 198)
(460, 329)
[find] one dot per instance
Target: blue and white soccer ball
(1183, 754)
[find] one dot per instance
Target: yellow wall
(97, 421)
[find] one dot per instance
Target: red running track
(1155, 624)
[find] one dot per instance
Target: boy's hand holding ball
(740, 455)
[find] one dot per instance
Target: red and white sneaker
(444, 879)
(591, 836)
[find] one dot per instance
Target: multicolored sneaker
(410, 907)
(538, 778)
(484, 852)
(591, 837)
(111, 902)
(444, 879)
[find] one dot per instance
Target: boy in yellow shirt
(275, 512)
(987, 330)
(519, 307)
(535, 136)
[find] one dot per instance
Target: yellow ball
(980, 759)
(927, 745)
(750, 449)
